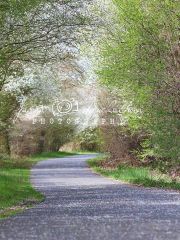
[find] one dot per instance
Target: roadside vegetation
(16, 191)
(140, 68)
(140, 176)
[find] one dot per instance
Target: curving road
(81, 205)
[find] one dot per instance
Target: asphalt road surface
(82, 205)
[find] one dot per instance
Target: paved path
(81, 205)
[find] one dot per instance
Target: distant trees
(47, 134)
(90, 139)
(141, 59)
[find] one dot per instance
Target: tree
(141, 60)
(33, 32)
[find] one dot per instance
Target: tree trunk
(4, 143)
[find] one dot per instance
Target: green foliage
(8, 104)
(141, 60)
(15, 8)
(56, 133)
(90, 139)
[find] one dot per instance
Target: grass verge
(16, 191)
(141, 176)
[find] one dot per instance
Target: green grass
(53, 154)
(16, 191)
(142, 176)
